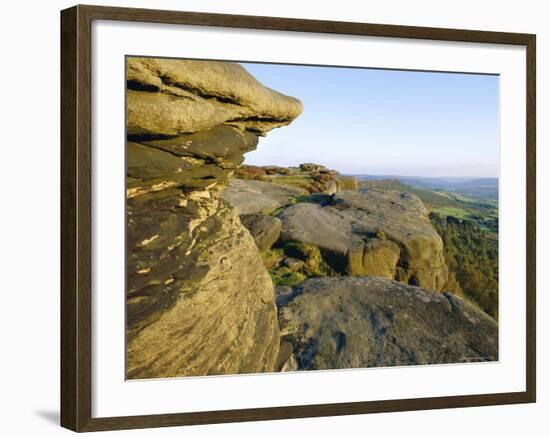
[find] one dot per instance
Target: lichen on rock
(352, 321)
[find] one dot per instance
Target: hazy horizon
(415, 176)
(384, 122)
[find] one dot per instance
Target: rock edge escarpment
(199, 300)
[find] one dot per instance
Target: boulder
(352, 322)
(402, 218)
(264, 229)
(371, 233)
(251, 197)
(318, 225)
(379, 258)
(330, 187)
(347, 183)
(199, 299)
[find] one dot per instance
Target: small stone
(293, 263)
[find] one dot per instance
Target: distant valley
(478, 188)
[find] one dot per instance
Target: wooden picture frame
(76, 217)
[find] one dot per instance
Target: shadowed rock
(349, 322)
(264, 229)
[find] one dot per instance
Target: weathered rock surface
(199, 300)
(252, 197)
(348, 322)
(310, 178)
(264, 229)
(190, 122)
(371, 233)
(200, 160)
(172, 97)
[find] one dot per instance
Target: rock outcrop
(310, 178)
(371, 233)
(199, 300)
(265, 229)
(191, 96)
(252, 197)
(350, 322)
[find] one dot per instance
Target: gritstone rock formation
(199, 300)
(347, 322)
(309, 178)
(251, 197)
(371, 233)
(264, 229)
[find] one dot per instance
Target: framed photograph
(268, 218)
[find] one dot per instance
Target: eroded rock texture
(309, 178)
(265, 229)
(371, 233)
(252, 197)
(191, 96)
(348, 322)
(199, 300)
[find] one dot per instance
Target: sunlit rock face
(199, 300)
(372, 233)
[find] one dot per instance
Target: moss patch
(314, 264)
(303, 182)
(285, 276)
(271, 258)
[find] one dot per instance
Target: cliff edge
(199, 299)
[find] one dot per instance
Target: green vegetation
(307, 262)
(451, 211)
(472, 256)
(272, 257)
(303, 182)
(314, 264)
(285, 276)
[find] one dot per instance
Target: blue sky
(365, 121)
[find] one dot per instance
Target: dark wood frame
(76, 303)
